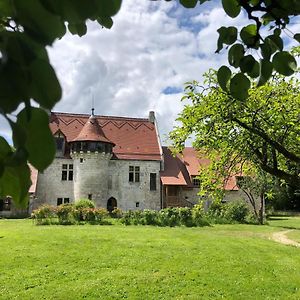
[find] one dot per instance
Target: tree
(26, 29)
(274, 15)
(241, 136)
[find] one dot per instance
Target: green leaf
(275, 42)
(5, 149)
(266, 50)
(231, 7)
(284, 63)
(107, 22)
(45, 88)
(109, 8)
(239, 86)
(247, 63)
(15, 182)
(39, 140)
(249, 35)
(235, 54)
(80, 28)
(266, 69)
(38, 22)
(223, 77)
(254, 73)
(227, 35)
(297, 37)
(189, 3)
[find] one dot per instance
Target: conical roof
(92, 132)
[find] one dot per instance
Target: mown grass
(144, 262)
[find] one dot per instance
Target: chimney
(151, 116)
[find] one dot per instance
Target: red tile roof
(134, 138)
(91, 131)
(179, 169)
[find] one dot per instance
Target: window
(137, 204)
(67, 172)
(5, 204)
(196, 181)
(134, 174)
(152, 181)
(81, 160)
(62, 201)
(90, 196)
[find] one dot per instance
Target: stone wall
(128, 194)
(100, 178)
(50, 185)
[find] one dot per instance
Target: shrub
(117, 213)
(169, 217)
(84, 203)
(186, 216)
(44, 215)
(236, 211)
(150, 217)
(65, 213)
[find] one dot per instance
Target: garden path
(281, 237)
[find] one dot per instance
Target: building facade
(116, 162)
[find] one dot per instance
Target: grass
(143, 262)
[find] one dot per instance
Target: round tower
(91, 152)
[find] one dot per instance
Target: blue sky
(142, 63)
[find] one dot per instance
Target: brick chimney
(152, 116)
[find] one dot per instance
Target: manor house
(116, 162)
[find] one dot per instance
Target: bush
(65, 214)
(150, 217)
(199, 217)
(117, 213)
(84, 203)
(169, 217)
(186, 216)
(45, 215)
(236, 211)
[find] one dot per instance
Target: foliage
(84, 203)
(45, 215)
(260, 135)
(68, 214)
(26, 75)
(264, 35)
(171, 217)
(232, 212)
(65, 214)
(117, 213)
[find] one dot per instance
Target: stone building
(116, 162)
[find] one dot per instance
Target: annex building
(116, 162)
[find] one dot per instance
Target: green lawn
(143, 262)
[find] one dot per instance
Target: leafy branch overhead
(275, 15)
(26, 29)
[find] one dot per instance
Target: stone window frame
(134, 174)
(61, 200)
(153, 185)
(67, 173)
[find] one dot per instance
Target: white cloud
(126, 69)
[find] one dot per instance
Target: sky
(141, 63)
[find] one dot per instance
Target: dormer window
(60, 144)
(196, 181)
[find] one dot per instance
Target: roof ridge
(101, 116)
